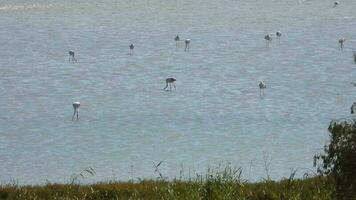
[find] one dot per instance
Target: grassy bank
(225, 184)
(335, 179)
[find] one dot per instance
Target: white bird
(262, 86)
(71, 56)
(76, 106)
(169, 82)
(341, 42)
(187, 44)
(132, 46)
(353, 107)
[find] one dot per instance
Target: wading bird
(169, 82)
(268, 39)
(354, 55)
(187, 44)
(132, 46)
(71, 57)
(278, 34)
(76, 106)
(341, 42)
(353, 107)
(262, 86)
(336, 3)
(177, 39)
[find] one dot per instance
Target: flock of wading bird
(170, 81)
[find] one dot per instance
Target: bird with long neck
(177, 40)
(336, 3)
(76, 106)
(187, 44)
(132, 46)
(341, 42)
(353, 108)
(262, 86)
(279, 34)
(71, 57)
(268, 39)
(170, 82)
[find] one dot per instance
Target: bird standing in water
(132, 46)
(169, 82)
(353, 107)
(177, 40)
(71, 57)
(341, 42)
(76, 106)
(268, 39)
(336, 3)
(262, 86)
(279, 34)
(187, 44)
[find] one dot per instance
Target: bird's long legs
(75, 112)
(166, 86)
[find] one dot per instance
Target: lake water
(215, 116)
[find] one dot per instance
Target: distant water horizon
(127, 122)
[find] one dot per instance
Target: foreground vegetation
(336, 179)
(215, 186)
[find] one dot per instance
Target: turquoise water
(127, 122)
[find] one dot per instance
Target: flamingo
(268, 39)
(169, 82)
(187, 44)
(76, 106)
(341, 42)
(176, 39)
(278, 34)
(71, 57)
(336, 3)
(353, 107)
(132, 46)
(262, 86)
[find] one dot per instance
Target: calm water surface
(215, 116)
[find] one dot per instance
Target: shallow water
(215, 116)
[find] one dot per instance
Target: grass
(218, 184)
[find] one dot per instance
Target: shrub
(339, 159)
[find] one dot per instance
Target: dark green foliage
(339, 159)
